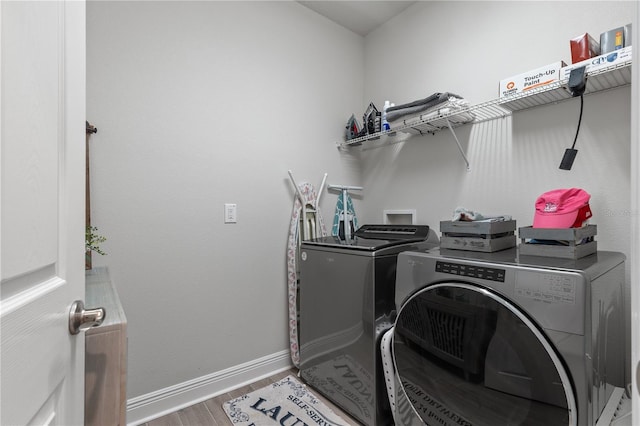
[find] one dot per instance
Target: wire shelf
(603, 79)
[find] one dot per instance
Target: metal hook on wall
(91, 128)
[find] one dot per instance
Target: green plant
(92, 240)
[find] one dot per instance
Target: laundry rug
(347, 381)
(286, 403)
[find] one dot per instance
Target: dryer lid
(376, 237)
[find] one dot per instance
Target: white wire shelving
(606, 78)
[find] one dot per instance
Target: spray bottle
(385, 123)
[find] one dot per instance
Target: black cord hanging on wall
(577, 85)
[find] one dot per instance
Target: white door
(42, 127)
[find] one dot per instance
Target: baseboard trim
(156, 404)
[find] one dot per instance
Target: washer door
(466, 356)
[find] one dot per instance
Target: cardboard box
(531, 79)
(599, 62)
(583, 47)
(612, 40)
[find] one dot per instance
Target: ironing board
(306, 223)
(344, 212)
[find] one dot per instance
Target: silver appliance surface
(500, 338)
(347, 293)
(377, 237)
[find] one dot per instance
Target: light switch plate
(230, 213)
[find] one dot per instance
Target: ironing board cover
(310, 199)
(335, 231)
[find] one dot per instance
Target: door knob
(81, 319)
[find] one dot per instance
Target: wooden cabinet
(106, 354)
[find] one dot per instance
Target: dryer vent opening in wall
(399, 217)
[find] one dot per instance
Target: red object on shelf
(583, 47)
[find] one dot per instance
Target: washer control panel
(473, 271)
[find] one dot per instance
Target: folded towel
(395, 112)
(454, 111)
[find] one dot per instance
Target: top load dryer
(347, 291)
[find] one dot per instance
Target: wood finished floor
(210, 412)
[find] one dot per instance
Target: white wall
(198, 104)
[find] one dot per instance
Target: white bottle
(385, 123)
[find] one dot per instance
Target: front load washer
(347, 301)
(498, 338)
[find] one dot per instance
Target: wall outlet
(230, 213)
